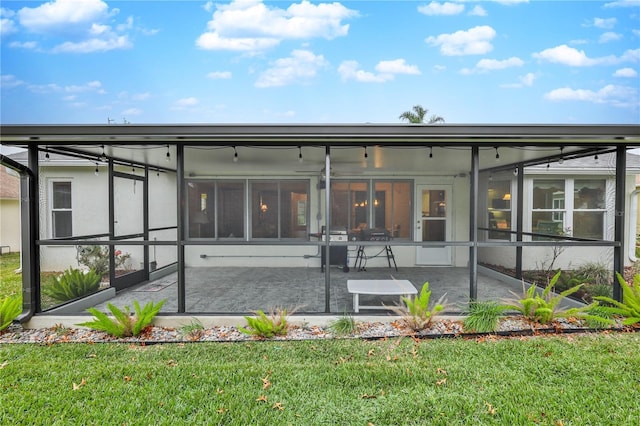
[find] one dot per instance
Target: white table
(380, 288)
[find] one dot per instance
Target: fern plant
(73, 283)
(267, 326)
(9, 309)
(123, 324)
(629, 308)
(483, 316)
(544, 308)
(416, 312)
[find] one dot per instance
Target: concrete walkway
(229, 290)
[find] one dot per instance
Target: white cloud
(478, 11)
(7, 81)
(435, 8)
(577, 58)
(222, 75)
(94, 45)
(131, 111)
(301, 66)
(84, 24)
(609, 36)
(604, 23)
(475, 41)
(623, 3)
(29, 45)
(61, 13)
(485, 65)
(397, 66)
(526, 80)
(386, 71)
(350, 70)
(187, 102)
(625, 72)
(250, 25)
(7, 26)
(621, 96)
(510, 2)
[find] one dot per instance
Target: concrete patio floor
(232, 290)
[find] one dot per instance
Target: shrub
(97, 258)
(267, 326)
(194, 330)
(9, 309)
(343, 325)
(123, 324)
(543, 307)
(483, 316)
(416, 312)
(629, 308)
(73, 283)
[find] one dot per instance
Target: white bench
(379, 288)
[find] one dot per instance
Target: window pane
(589, 194)
(201, 196)
(293, 206)
(392, 208)
(349, 205)
(264, 210)
(61, 195)
(588, 225)
(230, 210)
(61, 223)
(433, 230)
(499, 202)
(548, 194)
(434, 203)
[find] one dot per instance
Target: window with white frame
(61, 209)
(581, 215)
(274, 208)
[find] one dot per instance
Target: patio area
(232, 290)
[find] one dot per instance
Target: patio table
(380, 288)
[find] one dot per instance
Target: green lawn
(577, 380)
(10, 282)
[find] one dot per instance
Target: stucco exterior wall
(10, 224)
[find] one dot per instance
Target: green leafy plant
(194, 330)
(123, 324)
(267, 326)
(629, 308)
(343, 325)
(9, 309)
(543, 307)
(97, 258)
(73, 283)
(415, 310)
(483, 316)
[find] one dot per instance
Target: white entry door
(433, 210)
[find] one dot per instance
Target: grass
(592, 379)
(10, 282)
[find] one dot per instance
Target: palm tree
(418, 115)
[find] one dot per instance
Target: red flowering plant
(97, 258)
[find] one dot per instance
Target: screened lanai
(231, 218)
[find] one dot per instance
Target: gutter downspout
(29, 216)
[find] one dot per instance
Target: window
(548, 212)
(276, 209)
(349, 205)
(354, 206)
(499, 210)
(582, 215)
(216, 209)
(279, 209)
(589, 208)
(61, 213)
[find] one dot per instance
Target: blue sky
(251, 61)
